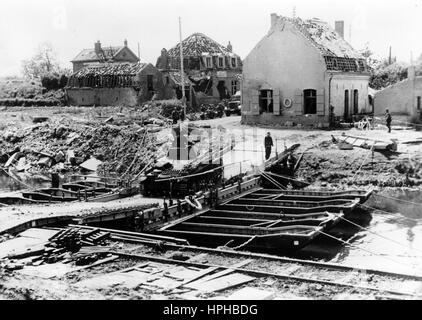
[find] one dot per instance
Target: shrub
(54, 81)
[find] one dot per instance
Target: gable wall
(399, 98)
(125, 55)
(287, 62)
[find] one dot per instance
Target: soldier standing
(388, 119)
(268, 143)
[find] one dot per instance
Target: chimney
(339, 27)
(125, 42)
(274, 18)
(229, 47)
(164, 59)
(97, 47)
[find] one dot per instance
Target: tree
(418, 65)
(44, 62)
(387, 74)
(383, 74)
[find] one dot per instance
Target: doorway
(346, 104)
(355, 101)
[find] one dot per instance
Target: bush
(30, 102)
(54, 81)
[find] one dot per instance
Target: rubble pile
(65, 144)
(344, 167)
(164, 109)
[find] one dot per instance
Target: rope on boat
(393, 198)
(136, 155)
(244, 243)
(270, 179)
(388, 212)
(368, 230)
(26, 185)
(363, 162)
(366, 250)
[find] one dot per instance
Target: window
(220, 62)
(208, 62)
(310, 101)
(167, 80)
(418, 103)
(150, 83)
(234, 62)
(235, 86)
(266, 101)
(355, 101)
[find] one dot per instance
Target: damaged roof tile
(115, 69)
(198, 44)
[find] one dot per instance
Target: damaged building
(300, 69)
(213, 71)
(126, 84)
(100, 54)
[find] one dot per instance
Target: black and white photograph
(226, 151)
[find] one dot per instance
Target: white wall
(286, 61)
(343, 82)
(400, 98)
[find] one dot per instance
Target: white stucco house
(401, 98)
(298, 70)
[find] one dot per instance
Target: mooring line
(266, 176)
(388, 212)
(26, 185)
(368, 230)
(369, 251)
(363, 162)
(397, 199)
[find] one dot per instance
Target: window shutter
(276, 102)
(255, 102)
(320, 102)
(298, 102)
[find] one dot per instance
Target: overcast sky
(71, 25)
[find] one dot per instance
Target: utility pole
(139, 53)
(181, 67)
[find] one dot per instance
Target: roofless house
(127, 84)
(212, 70)
(298, 70)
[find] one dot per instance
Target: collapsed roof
(108, 69)
(175, 76)
(198, 44)
(337, 52)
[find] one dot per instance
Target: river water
(391, 240)
(8, 184)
